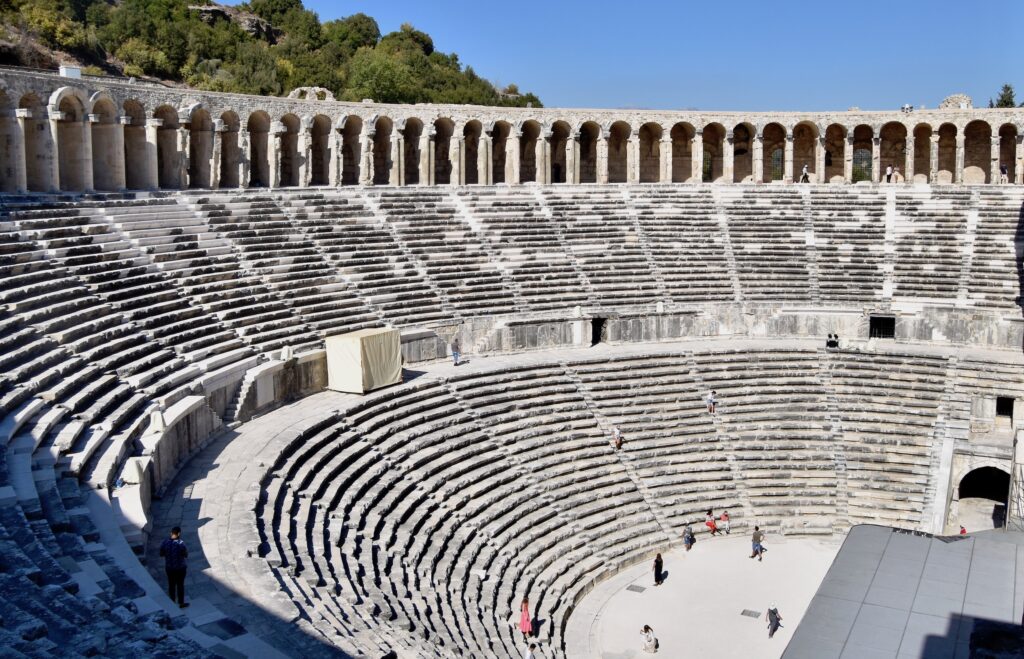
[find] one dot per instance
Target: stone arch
(835, 153)
(650, 153)
(863, 153)
(922, 152)
(136, 150)
(11, 159)
(743, 152)
(230, 153)
(618, 152)
(319, 150)
(107, 148)
(805, 143)
(986, 480)
(200, 148)
(529, 134)
(444, 129)
(1007, 153)
(411, 134)
(73, 157)
(590, 132)
(39, 151)
(499, 137)
(351, 128)
(288, 146)
(382, 160)
(977, 152)
(947, 154)
(682, 135)
(560, 141)
(893, 147)
(471, 133)
(773, 139)
(258, 126)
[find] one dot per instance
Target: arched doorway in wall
(835, 153)
(319, 150)
(528, 136)
(351, 149)
(714, 137)
(862, 153)
(743, 153)
(560, 132)
(200, 148)
(1007, 152)
(259, 163)
(444, 129)
(805, 141)
(135, 161)
(922, 153)
(682, 135)
(289, 156)
(411, 147)
(773, 138)
(983, 494)
(590, 132)
(499, 141)
(71, 144)
(107, 150)
(618, 149)
(947, 153)
(471, 152)
(230, 153)
(11, 159)
(38, 154)
(650, 153)
(893, 148)
(168, 162)
(382, 151)
(977, 152)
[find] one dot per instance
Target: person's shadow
(664, 576)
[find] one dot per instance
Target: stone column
(397, 146)
(182, 144)
(244, 158)
(424, 163)
(483, 159)
(55, 117)
(876, 159)
(728, 158)
(908, 173)
(633, 157)
(1019, 174)
(819, 160)
(277, 130)
(993, 168)
(20, 164)
(572, 159)
(335, 163)
(602, 157)
(543, 157)
(304, 148)
(933, 158)
(665, 158)
(216, 152)
(512, 157)
(787, 159)
(958, 176)
(697, 157)
(455, 158)
(120, 181)
(848, 158)
(366, 159)
(758, 157)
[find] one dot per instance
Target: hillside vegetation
(261, 47)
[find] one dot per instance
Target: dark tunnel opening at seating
(986, 483)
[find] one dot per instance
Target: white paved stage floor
(697, 612)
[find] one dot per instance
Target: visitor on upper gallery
(804, 175)
(888, 174)
(1004, 174)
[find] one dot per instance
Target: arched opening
(590, 132)
(560, 132)
(230, 154)
(168, 162)
(773, 139)
(742, 153)
(444, 129)
(893, 148)
(38, 150)
(289, 156)
(862, 153)
(714, 137)
(382, 152)
(618, 152)
(682, 135)
(471, 152)
(805, 139)
(107, 159)
(351, 150)
(499, 137)
(135, 160)
(411, 156)
(977, 152)
(71, 144)
(1007, 154)
(983, 494)
(200, 149)
(319, 150)
(650, 153)
(528, 137)
(10, 157)
(259, 163)
(835, 153)
(947, 153)
(922, 152)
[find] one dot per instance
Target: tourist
(835, 341)
(648, 642)
(896, 176)
(456, 350)
(688, 538)
(774, 619)
(709, 521)
(658, 574)
(529, 654)
(963, 531)
(724, 518)
(175, 552)
(525, 620)
(1004, 173)
(617, 438)
(756, 540)
(888, 174)
(712, 401)
(804, 176)
(828, 342)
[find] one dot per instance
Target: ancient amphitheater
(173, 261)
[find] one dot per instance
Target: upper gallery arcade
(98, 134)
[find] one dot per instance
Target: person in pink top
(525, 620)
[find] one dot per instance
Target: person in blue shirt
(175, 552)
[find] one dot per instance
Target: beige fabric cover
(362, 361)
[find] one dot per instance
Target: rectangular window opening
(882, 327)
(1004, 406)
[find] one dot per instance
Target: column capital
(57, 115)
(666, 137)
(124, 120)
(219, 126)
(23, 113)
(934, 137)
(278, 129)
(996, 140)
(155, 122)
(94, 118)
(876, 140)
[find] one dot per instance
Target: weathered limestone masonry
(110, 134)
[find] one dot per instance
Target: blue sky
(738, 55)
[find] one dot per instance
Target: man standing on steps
(456, 350)
(175, 552)
(756, 539)
(712, 401)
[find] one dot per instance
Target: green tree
(352, 33)
(372, 74)
(1005, 98)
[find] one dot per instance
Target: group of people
(832, 342)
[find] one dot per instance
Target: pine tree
(1005, 99)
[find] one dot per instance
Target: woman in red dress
(525, 620)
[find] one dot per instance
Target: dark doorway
(882, 327)
(1004, 406)
(986, 483)
(597, 329)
